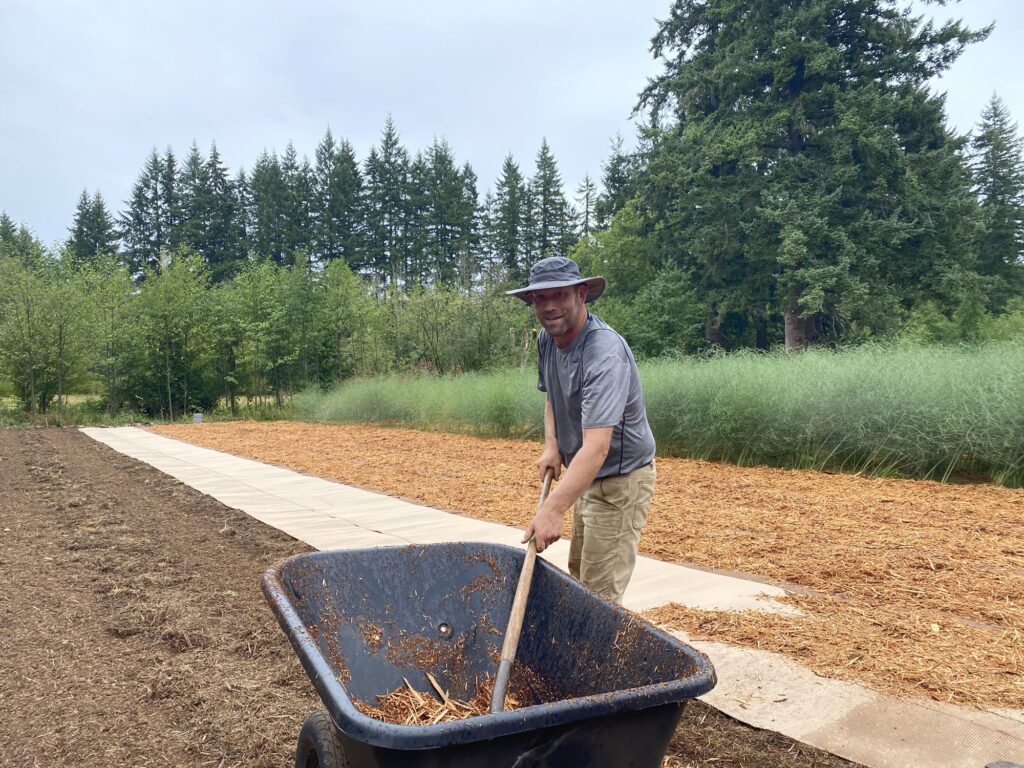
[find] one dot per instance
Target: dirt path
(133, 632)
(908, 583)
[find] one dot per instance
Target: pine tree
(93, 233)
(224, 251)
(997, 163)
(470, 229)
(142, 225)
(170, 203)
(267, 210)
(416, 224)
(195, 203)
(586, 198)
(553, 232)
(786, 137)
(449, 219)
(387, 189)
(507, 213)
(298, 204)
(618, 184)
(337, 212)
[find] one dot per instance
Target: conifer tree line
(400, 220)
(794, 182)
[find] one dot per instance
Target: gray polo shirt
(594, 383)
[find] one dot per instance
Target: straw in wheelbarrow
(515, 619)
(407, 706)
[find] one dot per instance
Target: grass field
(934, 412)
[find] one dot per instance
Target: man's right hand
(545, 529)
(549, 460)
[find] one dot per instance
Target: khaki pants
(606, 525)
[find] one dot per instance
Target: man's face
(558, 309)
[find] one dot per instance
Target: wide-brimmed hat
(557, 272)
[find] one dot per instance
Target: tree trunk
(60, 377)
(761, 331)
(713, 330)
(796, 338)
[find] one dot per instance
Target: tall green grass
(933, 412)
(505, 403)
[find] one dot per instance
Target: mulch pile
(912, 587)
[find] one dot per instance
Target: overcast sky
(87, 89)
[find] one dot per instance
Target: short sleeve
(541, 385)
(605, 386)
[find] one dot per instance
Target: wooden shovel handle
(515, 619)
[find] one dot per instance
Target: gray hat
(557, 272)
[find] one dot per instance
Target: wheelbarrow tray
(598, 685)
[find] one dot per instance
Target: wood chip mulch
(915, 588)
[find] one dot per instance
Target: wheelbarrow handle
(515, 619)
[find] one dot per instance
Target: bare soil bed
(915, 588)
(133, 631)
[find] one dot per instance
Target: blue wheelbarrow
(597, 686)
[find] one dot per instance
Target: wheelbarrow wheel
(319, 745)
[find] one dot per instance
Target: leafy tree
(112, 303)
(45, 329)
(998, 167)
(169, 368)
(786, 140)
(93, 232)
(23, 352)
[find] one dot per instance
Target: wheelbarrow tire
(319, 745)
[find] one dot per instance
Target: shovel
(515, 619)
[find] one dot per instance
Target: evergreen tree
(8, 229)
(142, 225)
(449, 214)
(170, 202)
(553, 230)
(507, 213)
(417, 224)
(337, 210)
(470, 231)
(787, 137)
(998, 166)
(242, 198)
(586, 198)
(387, 190)
(195, 203)
(93, 232)
(267, 210)
(225, 231)
(298, 204)
(618, 184)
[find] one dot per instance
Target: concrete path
(763, 689)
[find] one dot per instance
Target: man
(595, 424)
